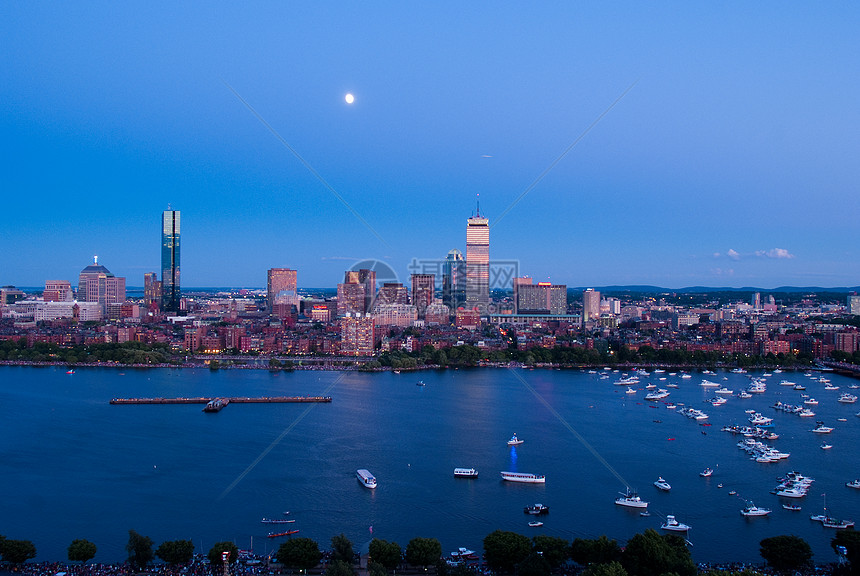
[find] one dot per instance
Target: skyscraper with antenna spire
(478, 262)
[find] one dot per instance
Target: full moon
(349, 98)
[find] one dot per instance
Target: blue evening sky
(732, 160)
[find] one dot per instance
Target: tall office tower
(151, 289)
(282, 287)
(423, 288)
(356, 334)
(524, 281)
(590, 305)
(368, 279)
(58, 291)
(392, 293)
(170, 294)
(478, 263)
(453, 279)
(854, 304)
(756, 301)
(97, 284)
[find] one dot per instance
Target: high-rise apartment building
(854, 304)
(58, 291)
(356, 334)
(282, 287)
(350, 298)
(524, 281)
(423, 288)
(540, 298)
(478, 263)
(590, 305)
(170, 293)
(453, 280)
(151, 289)
(392, 293)
(97, 284)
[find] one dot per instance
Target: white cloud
(733, 254)
(779, 253)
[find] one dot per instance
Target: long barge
(238, 400)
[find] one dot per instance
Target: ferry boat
(525, 478)
(465, 473)
(215, 405)
(366, 478)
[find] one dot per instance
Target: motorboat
(535, 523)
(799, 387)
(464, 554)
(853, 484)
(536, 509)
(631, 500)
(706, 472)
(524, 478)
(820, 428)
(792, 507)
(657, 394)
(70, 371)
(826, 446)
(811, 402)
(644, 513)
(834, 523)
(662, 484)
(753, 510)
(366, 478)
(708, 384)
(215, 405)
(846, 398)
(672, 524)
(465, 473)
(724, 390)
(514, 441)
(630, 391)
(279, 534)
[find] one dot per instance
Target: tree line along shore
(505, 553)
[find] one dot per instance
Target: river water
(74, 466)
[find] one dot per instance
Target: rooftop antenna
(95, 260)
(478, 201)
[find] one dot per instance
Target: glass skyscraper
(170, 294)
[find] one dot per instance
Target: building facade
(423, 289)
(590, 305)
(170, 292)
(453, 280)
(478, 263)
(97, 284)
(58, 291)
(356, 335)
(282, 287)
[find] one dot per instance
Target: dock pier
(236, 400)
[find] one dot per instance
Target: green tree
(786, 553)
(423, 551)
(17, 551)
(376, 569)
(850, 539)
(554, 550)
(215, 552)
(341, 549)
(652, 554)
(139, 550)
(598, 551)
(534, 565)
(504, 550)
(613, 568)
(176, 551)
(386, 553)
(299, 553)
(339, 568)
(81, 551)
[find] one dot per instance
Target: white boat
(536, 509)
(524, 478)
(631, 500)
(672, 524)
(465, 554)
(465, 473)
(820, 428)
(535, 523)
(787, 383)
(706, 472)
(846, 398)
(826, 446)
(753, 510)
(853, 484)
(630, 391)
(657, 394)
(708, 384)
(792, 507)
(723, 390)
(834, 523)
(366, 478)
(514, 441)
(662, 484)
(811, 402)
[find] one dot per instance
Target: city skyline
(673, 145)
